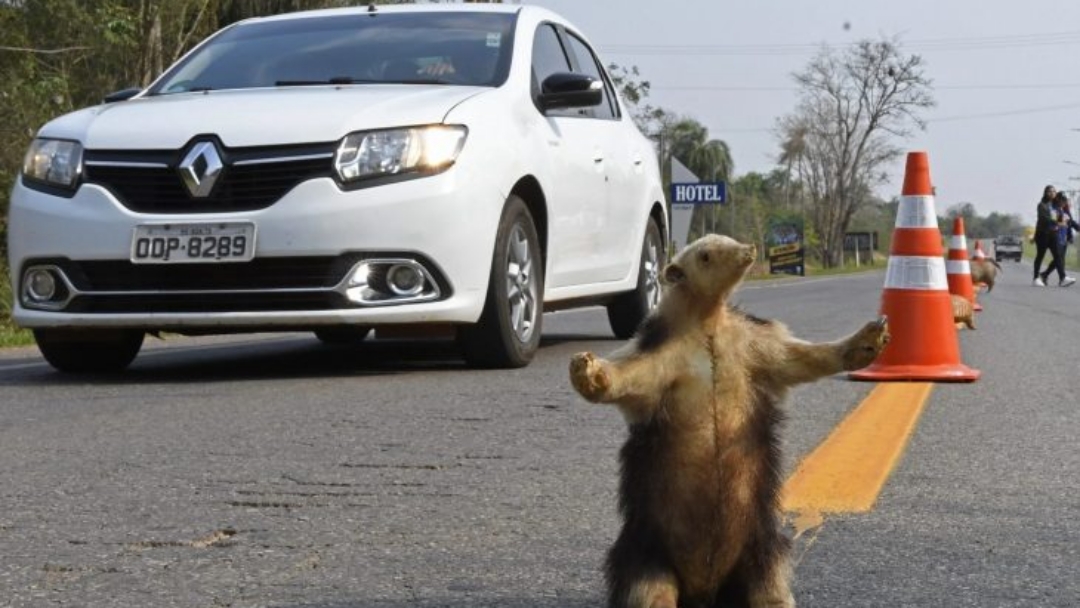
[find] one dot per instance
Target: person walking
(1073, 226)
(1062, 228)
(1045, 234)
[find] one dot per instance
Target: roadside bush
(10, 335)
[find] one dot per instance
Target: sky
(1006, 78)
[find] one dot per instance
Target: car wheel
(347, 334)
(627, 311)
(89, 350)
(508, 332)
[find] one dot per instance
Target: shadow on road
(464, 602)
(279, 357)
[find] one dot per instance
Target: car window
(454, 48)
(549, 58)
(548, 55)
(588, 64)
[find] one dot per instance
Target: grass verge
(1072, 257)
(761, 269)
(10, 334)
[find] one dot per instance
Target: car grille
(308, 283)
(259, 273)
(187, 303)
(263, 284)
(149, 181)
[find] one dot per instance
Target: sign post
(687, 195)
(704, 193)
(785, 247)
(860, 242)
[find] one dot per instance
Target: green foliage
(979, 227)
(635, 93)
(10, 335)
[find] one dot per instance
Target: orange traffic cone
(979, 255)
(957, 266)
(916, 298)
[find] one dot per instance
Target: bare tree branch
(69, 49)
(853, 105)
(182, 46)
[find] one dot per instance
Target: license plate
(193, 243)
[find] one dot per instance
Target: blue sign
(702, 193)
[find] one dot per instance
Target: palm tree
(712, 161)
(688, 140)
(792, 148)
(709, 159)
(682, 137)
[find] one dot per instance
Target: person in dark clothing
(1063, 227)
(1045, 234)
(1073, 226)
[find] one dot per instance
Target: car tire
(342, 335)
(627, 311)
(89, 351)
(508, 332)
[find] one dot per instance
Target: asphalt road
(275, 471)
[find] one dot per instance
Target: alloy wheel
(521, 284)
(650, 268)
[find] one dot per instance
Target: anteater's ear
(674, 274)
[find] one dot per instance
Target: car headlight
(55, 162)
(414, 150)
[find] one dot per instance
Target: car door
(575, 187)
(617, 246)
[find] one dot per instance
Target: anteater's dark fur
(700, 387)
(640, 546)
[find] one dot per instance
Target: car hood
(257, 117)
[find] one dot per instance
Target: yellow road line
(847, 471)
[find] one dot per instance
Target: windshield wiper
(181, 90)
(416, 81)
(334, 80)
(347, 80)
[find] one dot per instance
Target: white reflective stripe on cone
(957, 267)
(916, 212)
(916, 272)
(959, 242)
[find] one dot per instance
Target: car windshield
(451, 48)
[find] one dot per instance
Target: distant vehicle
(465, 167)
(1008, 246)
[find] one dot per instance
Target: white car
(455, 166)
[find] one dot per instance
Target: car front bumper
(444, 223)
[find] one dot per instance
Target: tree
(634, 92)
(999, 223)
(709, 159)
(756, 194)
(854, 104)
(688, 140)
(978, 226)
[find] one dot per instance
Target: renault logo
(201, 168)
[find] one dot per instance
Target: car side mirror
(567, 90)
(122, 95)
